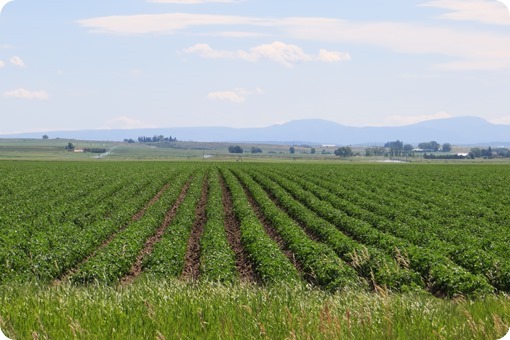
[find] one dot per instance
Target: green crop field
(254, 250)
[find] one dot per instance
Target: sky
(105, 64)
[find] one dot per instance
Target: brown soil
(112, 236)
(191, 270)
(136, 269)
(243, 264)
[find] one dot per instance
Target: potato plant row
(439, 271)
(270, 263)
(45, 253)
(167, 258)
(114, 261)
(369, 262)
(218, 259)
(320, 263)
(336, 226)
(419, 232)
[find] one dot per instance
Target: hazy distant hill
(460, 130)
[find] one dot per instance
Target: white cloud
(235, 34)
(279, 52)
(399, 120)
(237, 95)
(190, 2)
(168, 23)
(333, 57)
(469, 49)
(501, 120)
(17, 61)
(230, 96)
(26, 94)
(484, 11)
(123, 122)
(2, 64)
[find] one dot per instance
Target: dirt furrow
(112, 236)
(243, 264)
(191, 270)
(136, 269)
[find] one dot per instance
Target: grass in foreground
(173, 309)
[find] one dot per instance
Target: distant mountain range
(459, 130)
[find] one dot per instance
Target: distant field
(400, 232)
(55, 149)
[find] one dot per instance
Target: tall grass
(172, 309)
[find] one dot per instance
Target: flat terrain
(329, 233)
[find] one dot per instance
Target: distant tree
(312, 151)
(130, 140)
(235, 149)
(45, 137)
(487, 153)
(344, 151)
(476, 153)
(408, 148)
(447, 147)
(429, 146)
(70, 146)
(292, 150)
(256, 150)
(375, 151)
(502, 152)
(395, 147)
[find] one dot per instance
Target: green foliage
(270, 263)
(344, 151)
(218, 259)
(406, 228)
(235, 149)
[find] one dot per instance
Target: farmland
(337, 235)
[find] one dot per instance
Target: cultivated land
(211, 249)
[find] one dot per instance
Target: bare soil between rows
(191, 270)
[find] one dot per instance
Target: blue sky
(99, 64)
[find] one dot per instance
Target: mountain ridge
(458, 130)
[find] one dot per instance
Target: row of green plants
(469, 198)
(218, 262)
(270, 263)
(48, 252)
(114, 261)
(440, 273)
(418, 232)
(370, 263)
(319, 263)
(167, 258)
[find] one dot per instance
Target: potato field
(443, 230)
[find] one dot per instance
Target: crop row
(418, 232)
(114, 260)
(334, 226)
(440, 272)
